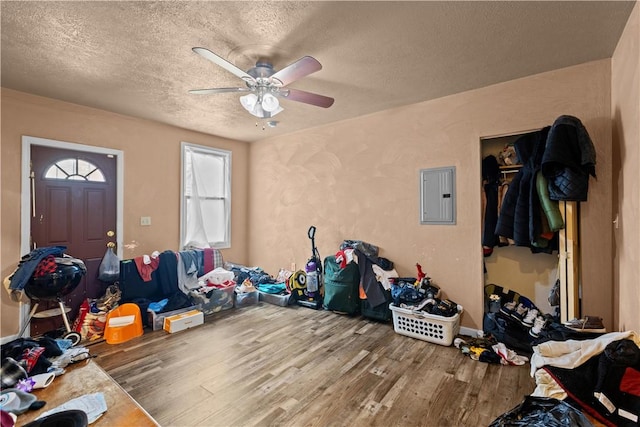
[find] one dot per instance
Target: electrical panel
(438, 195)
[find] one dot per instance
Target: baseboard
(470, 332)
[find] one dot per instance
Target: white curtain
(206, 199)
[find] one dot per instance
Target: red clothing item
(208, 260)
(30, 356)
(145, 270)
(341, 259)
(46, 266)
(631, 382)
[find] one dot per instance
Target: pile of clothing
(214, 291)
(421, 294)
(515, 320)
(25, 359)
(601, 375)
(488, 350)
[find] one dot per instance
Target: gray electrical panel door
(438, 195)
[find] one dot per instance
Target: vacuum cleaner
(307, 287)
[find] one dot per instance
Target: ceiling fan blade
(302, 67)
(207, 54)
(306, 97)
(220, 90)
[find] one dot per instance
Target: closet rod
(509, 171)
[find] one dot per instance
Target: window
(205, 212)
(74, 170)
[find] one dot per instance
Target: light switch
(145, 220)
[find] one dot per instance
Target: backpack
(341, 291)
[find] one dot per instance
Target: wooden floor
(268, 365)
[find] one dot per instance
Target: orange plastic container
(123, 323)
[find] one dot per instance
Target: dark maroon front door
(73, 205)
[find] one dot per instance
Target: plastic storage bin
(424, 326)
(215, 300)
(156, 320)
(275, 299)
(246, 299)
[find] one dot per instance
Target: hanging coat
(568, 160)
(491, 182)
(520, 209)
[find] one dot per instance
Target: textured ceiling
(135, 58)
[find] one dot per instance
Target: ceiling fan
(264, 85)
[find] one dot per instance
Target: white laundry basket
(424, 326)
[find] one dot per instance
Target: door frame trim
(25, 198)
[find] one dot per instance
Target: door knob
(110, 233)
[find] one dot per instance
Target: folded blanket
(572, 353)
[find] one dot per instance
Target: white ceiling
(135, 58)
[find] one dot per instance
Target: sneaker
(494, 303)
(508, 308)
(530, 318)
(587, 324)
(520, 312)
(445, 308)
(538, 326)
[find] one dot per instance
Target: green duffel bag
(341, 286)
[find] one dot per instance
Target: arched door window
(75, 170)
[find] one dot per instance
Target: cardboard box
(182, 321)
(156, 320)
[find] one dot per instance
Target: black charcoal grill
(55, 286)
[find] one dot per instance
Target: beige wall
(358, 179)
(531, 275)
(625, 94)
(151, 175)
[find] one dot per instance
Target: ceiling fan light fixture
(250, 103)
(270, 103)
(276, 111)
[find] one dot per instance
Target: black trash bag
(542, 412)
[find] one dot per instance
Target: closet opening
(532, 270)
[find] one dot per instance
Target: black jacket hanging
(491, 182)
(568, 160)
(520, 210)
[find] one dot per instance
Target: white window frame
(226, 157)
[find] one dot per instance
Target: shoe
(587, 324)
(110, 299)
(530, 318)
(520, 312)
(508, 308)
(446, 308)
(538, 326)
(431, 291)
(494, 303)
